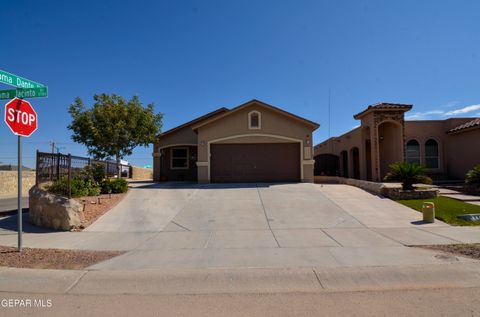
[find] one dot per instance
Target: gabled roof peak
(314, 125)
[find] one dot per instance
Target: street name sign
(17, 81)
(40, 92)
(20, 117)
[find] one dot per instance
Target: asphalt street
(10, 204)
(420, 302)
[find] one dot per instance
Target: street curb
(242, 280)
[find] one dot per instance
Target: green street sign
(17, 81)
(41, 92)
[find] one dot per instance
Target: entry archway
(390, 139)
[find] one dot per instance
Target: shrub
(59, 187)
(98, 173)
(115, 186)
(473, 176)
(408, 174)
(78, 187)
(82, 185)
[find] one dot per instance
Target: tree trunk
(119, 172)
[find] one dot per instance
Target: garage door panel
(268, 162)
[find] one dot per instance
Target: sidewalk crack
(75, 282)
(266, 217)
(318, 279)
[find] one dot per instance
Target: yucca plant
(473, 176)
(408, 174)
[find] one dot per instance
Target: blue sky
(191, 57)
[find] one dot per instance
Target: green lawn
(446, 209)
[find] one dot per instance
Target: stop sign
(20, 117)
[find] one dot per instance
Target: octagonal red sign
(20, 117)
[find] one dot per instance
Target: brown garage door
(260, 162)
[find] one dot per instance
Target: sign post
(19, 169)
(21, 118)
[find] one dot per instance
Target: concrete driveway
(179, 225)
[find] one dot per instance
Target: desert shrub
(408, 174)
(79, 188)
(59, 187)
(83, 184)
(473, 176)
(98, 173)
(115, 186)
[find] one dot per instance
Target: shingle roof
(260, 103)
(470, 124)
(199, 119)
(383, 106)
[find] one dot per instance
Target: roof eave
(314, 125)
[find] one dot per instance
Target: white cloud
(450, 104)
(463, 110)
(437, 112)
(424, 115)
(355, 126)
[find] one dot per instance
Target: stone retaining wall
(379, 188)
(376, 188)
(398, 194)
(140, 173)
(8, 182)
(51, 211)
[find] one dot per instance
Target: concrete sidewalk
(210, 281)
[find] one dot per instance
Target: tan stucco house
(253, 142)
(447, 148)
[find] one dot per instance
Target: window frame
(176, 158)
(419, 157)
(432, 157)
(250, 127)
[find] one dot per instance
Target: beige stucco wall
(463, 152)
(8, 182)
(183, 136)
(424, 130)
(273, 126)
(345, 142)
(458, 152)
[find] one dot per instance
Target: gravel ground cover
(53, 258)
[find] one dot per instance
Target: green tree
(113, 126)
(408, 174)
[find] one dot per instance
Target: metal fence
(51, 167)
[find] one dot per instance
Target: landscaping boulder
(53, 211)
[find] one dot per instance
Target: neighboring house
(254, 142)
(447, 148)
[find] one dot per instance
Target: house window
(431, 154)
(413, 151)
(179, 158)
(254, 120)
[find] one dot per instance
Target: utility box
(428, 210)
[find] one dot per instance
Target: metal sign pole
(19, 193)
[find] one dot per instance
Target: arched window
(431, 154)
(413, 152)
(254, 120)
